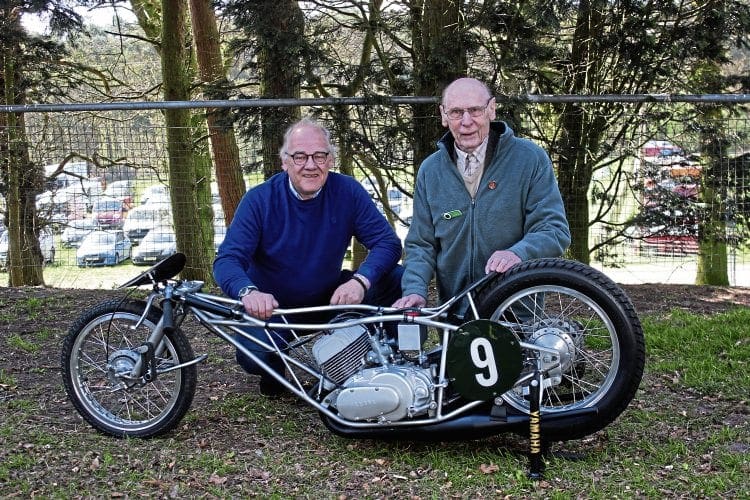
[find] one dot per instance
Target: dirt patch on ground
(660, 299)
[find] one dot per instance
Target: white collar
(478, 153)
(299, 196)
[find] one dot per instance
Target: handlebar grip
(212, 307)
(168, 323)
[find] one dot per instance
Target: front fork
(145, 370)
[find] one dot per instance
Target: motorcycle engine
(378, 393)
(341, 353)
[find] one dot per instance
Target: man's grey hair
(308, 123)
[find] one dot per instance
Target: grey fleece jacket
(517, 207)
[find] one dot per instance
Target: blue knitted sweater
(295, 248)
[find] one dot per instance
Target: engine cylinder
(341, 353)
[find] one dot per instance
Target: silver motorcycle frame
(189, 300)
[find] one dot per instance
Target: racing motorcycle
(552, 349)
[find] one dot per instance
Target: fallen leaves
(489, 468)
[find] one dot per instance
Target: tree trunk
(573, 179)
(279, 61)
(439, 58)
(226, 154)
(190, 193)
(579, 137)
(22, 179)
(712, 231)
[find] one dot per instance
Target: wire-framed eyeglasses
(300, 159)
(474, 111)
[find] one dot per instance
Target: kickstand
(537, 447)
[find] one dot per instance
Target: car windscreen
(107, 206)
(100, 238)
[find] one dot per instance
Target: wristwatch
(245, 290)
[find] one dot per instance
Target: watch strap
(245, 290)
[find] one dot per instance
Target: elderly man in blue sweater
(484, 201)
(286, 244)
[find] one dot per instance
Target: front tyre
(576, 310)
(97, 357)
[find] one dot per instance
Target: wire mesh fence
(653, 174)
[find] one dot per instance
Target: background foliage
(339, 49)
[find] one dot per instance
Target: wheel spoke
(561, 318)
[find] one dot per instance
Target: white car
(159, 200)
(56, 207)
(154, 191)
(46, 244)
(158, 244)
(404, 221)
(75, 230)
(142, 219)
(121, 190)
(103, 248)
(220, 228)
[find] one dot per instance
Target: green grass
(23, 344)
(709, 355)
(7, 379)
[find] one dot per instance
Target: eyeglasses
(300, 159)
(474, 111)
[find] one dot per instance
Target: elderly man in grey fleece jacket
(484, 201)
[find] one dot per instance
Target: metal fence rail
(124, 144)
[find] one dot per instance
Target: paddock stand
(537, 448)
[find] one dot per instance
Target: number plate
(483, 360)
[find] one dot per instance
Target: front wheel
(98, 356)
(583, 315)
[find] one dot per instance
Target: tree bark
(439, 57)
(190, 193)
(280, 37)
(226, 154)
(22, 179)
(712, 227)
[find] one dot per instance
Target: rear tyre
(97, 357)
(570, 307)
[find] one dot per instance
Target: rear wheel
(584, 316)
(98, 355)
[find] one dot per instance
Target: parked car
(103, 248)
(159, 200)
(57, 207)
(121, 190)
(70, 173)
(660, 148)
(220, 228)
(142, 219)
(154, 191)
(404, 221)
(109, 212)
(158, 244)
(75, 230)
(396, 200)
(46, 244)
(85, 191)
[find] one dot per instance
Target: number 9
(484, 359)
